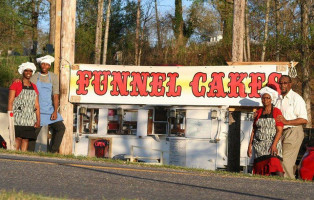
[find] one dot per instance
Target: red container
(307, 165)
(101, 148)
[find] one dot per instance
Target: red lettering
(195, 84)
(120, 80)
(139, 84)
(156, 84)
(173, 90)
(257, 80)
(98, 75)
(83, 81)
(273, 80)
(237, 87)
(216, 85)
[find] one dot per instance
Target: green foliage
(8, 69)
(121, 30)
(12, 33)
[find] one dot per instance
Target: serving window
(168, 121)
(122, 122)
(88, 120)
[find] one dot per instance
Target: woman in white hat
(266, 136)
(23, 104)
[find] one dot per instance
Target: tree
(277, 29)
(106, 32)
(159, 42)
(266, 30)
(52, 24)
(137, 32)
(99, 31)
(238, 31)
(178, 23)
(247, 33)
(306, 89)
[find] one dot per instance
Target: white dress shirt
(292, 106)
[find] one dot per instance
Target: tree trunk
(238, 31)
(265, 30)
(104, 58)
(137, 32)
(237, 56)
(227, 22)
(247, 33)
(99, 31)
(178, 24)
(67, 57)
(306, 89)
(52, 17)
(248, 47)
(35, 14)
(159, 42)
(277, 29)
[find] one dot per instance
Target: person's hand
(281, 118)
(54, 116)
(249, 151)
(37, 124)
(273, 150)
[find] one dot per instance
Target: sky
(164, 6)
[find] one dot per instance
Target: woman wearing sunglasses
(266, 136)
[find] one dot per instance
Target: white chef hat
(27, 65)
(273, 93)
(46, 59)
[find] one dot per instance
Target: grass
(14, 195)
(171, 167)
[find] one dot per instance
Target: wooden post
(11, 142)
(67, 59)
(237, 56)
(57, 37)
(99, 31)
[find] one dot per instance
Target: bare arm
(294, 122)
(249, 151)
(273, 149)
(55, 106)
(37, 124)
(11, 99)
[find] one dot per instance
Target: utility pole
(238, 30)
(67, 59)
(237, 56)
(57, 37)
(99, 31)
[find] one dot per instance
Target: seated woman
(266, 136)
(23, 104)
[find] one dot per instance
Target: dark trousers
(58, 130)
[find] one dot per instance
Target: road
(102, 180)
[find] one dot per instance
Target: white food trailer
(168, 115)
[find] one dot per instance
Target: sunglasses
(284, 83)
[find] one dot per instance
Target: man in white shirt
(294, 116)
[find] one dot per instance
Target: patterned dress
(24, 111)
(265, 132)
